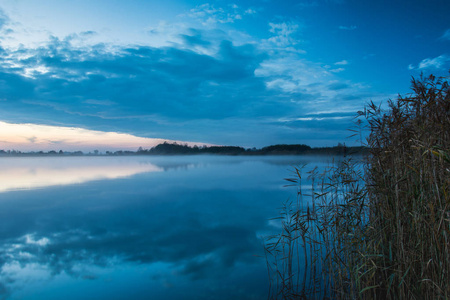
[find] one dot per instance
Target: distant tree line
(282, 149)
(43, 153)
(183, 149)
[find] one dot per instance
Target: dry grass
(381, 230)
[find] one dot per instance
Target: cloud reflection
(188, 232)
(78, 241)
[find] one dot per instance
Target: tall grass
(380, 229)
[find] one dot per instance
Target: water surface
(142, 227)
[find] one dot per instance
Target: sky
(248, 73)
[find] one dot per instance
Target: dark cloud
(338, 86)
(195, 38)
(88, 33)
(167, 92)
(15, 87)
(32, 139)
(171, 82)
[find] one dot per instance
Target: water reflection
(190, 232)
(31, 173)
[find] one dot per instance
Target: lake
(140, 227)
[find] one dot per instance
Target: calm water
(186, 227)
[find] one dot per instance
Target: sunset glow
(32, 137)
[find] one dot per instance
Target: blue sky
(248, 73)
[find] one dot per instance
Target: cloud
(251, 11)
(195, 39)
(168, 92)
(313, 88)
(341, 63)
(337, 85)
(190, 85)
(151, 92)
(314, 117)
(353, 27)
(338, 70)
(210, 15)
(439, 62)
(31, 139)
(88, 33)
(446, 35)
(138, 79)
(295, 75)
(284, 34)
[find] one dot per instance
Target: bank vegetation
(378, 229)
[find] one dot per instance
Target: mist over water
(181, 227)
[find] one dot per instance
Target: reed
(379, 228)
